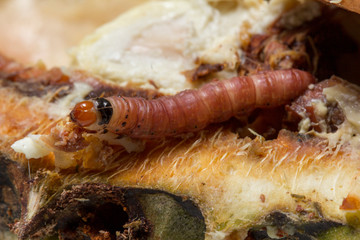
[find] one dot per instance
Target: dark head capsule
(103, 106)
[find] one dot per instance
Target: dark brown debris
(304, 107)
(320, 46)
(39, 81)
(13, 188)
(100, 211)
(203, 71)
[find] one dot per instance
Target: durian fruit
(284, 173)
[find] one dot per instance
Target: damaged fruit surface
(289, 172)
(245, 179)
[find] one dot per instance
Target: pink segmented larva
(192, 110)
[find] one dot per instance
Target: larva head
(84, 114)
(87, 113)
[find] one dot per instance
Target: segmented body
(192, 110)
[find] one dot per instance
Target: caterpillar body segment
(191, 110)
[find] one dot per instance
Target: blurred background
(33, 30)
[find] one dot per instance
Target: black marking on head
(196, 126)
(123, 124)
(126, 116)
(105, 131)
(105, 109)
(138, 126)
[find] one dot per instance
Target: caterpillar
(190, 110)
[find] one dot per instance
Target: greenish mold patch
(340, 233)
(172, 218)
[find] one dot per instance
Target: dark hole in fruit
(109, 217)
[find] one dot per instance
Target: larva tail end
(84, 114)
